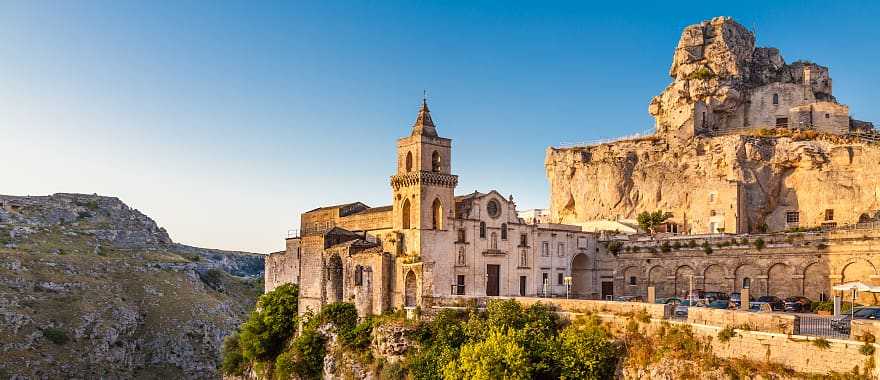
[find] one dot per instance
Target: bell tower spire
(424, 125)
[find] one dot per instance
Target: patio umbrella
(856, 287)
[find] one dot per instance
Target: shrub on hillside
(232, 362)
(274, 321)
(56, 335)
(586, 352)
(499, 356)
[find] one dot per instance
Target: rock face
(736, 182)
(722, 83)
(90, 288)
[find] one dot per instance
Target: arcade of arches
(777, 272)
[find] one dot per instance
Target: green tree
(500, 356)
(233, 362)
(586, 352)
(273, 322)
(649, 221)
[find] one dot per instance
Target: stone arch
(435, 161)
(779, 281)
(409, 161)
(334, 279)
(657, 277)
(815, 284)
(437, 214)
(860, 269)
(410, 290)
(713, 279)
(683, 276)
(751, 274)
(580, 275)
(405, 214)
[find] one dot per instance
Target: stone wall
(768, 322)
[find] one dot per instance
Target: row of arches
(781, 279)
(436, 215)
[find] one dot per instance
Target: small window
(792, 217)
(827, 116)
(747, 283)
(359, 276)
(545, 248)
(775, 98)
(559, 278)
(459, 285)
(560, 250)
(829, 215)
(711, 197)
(460, 259)
(482, 230)
(409, 161)
(632, 280)
(523, 259)
(712, 213)
(523, 240)
(503, 231)
(461, 235)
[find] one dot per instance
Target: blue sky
(225, 120)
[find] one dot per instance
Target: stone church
(431, 246)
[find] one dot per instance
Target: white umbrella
(857, 286)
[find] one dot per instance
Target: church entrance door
(492, 279)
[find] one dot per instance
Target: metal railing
(823, 327)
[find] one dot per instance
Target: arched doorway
(410, 289)
(779, 281)
(748, 275)
(683, 277)
(580, 276)
(860, 270)
(657, 278)
(713, 279)
(815, 286)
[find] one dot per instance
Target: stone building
(430, 245)
(722, 84)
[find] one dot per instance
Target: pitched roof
(424, 125)
(376, 209)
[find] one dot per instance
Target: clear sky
(225, 120)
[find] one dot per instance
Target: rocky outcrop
(91, 288)
(718, 80)
(739, 182)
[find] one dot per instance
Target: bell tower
(423, 208)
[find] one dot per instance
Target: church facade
(431, 246)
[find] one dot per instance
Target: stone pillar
(652, 297)
(744, 299)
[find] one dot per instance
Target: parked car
(628, 298)
(681, 310)
(735, 297)
(797, 304)
(841, 323)
(775, 303)
(672, 300)
(715, 296)
(721, 304)
(760, 307)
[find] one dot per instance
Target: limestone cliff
(738, 182)
(91, 288)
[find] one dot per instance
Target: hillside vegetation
(91, 288)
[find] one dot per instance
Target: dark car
(775, 303)
(842, 323)
(797, 304)
(720, 304)
(715, 296)
(735, 297)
